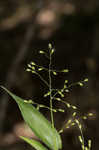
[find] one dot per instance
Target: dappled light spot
(69, 9)
(46, 17)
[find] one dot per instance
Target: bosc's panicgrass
(59, 94)
(35, 120)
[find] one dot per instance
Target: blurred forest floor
(27, 26)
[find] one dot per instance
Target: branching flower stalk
(35, 120)
(81, 137)
(58, 95)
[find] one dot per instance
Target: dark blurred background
(27, 26)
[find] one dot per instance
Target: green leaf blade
(35, 144)
(38, 123)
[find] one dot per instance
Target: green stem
(50, 89)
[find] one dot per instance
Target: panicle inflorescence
(59, 94)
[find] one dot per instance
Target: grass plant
(42, 128)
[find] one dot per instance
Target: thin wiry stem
(42, 79)
(46, 55)
(50, 89)
(51, 97)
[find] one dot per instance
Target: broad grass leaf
(35, 144)
(38, 123)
